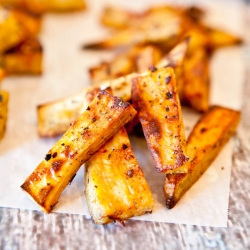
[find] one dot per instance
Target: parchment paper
(66, 72)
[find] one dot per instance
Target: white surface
(65, 72)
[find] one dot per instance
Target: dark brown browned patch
(180, 158)
(154, 128)
(56, 165)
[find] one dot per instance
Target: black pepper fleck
(169, 95)
(168, 79)
(47, 157)
(152, 68)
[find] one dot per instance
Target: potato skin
(156, 98)
(101, 120)
(205, 142)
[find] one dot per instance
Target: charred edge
(170, 202)
(72, 179)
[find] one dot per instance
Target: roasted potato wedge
(54, 117)
(196, 80)
(4, 99)
(12, 31)
(206, 140)
(102, 119)
(115, 186)
(32, 23)
(119, 66)
(118, 18)
(157, 25)
(218, 38)
(137, 59)
(156, 98)
(42, 6)
(24, 58)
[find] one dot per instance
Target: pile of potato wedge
(164, 64)
(21, 52)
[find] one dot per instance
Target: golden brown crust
(157, 101)
(206, 140)
(101, 120)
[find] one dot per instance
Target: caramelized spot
(154, 128)
(203, 130)
(130, 173)
(54, 155)
(56, 165)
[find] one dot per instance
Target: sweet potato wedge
(196, 80)
(115, 186)
(32, 23)
(24, 58)
(4, 99)
(43, 6)
(156, 98)
(206, 140)
(138, 59)
(12, 31)
(161, 24)
(101, 120)
(219, 38)
(54, 118)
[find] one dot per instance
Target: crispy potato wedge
(206, 140)
(4, 99)
(196, 80)
(117, 17)
(24, 58)
(32, 23)
(156, 98)
(101, 120)
(42, 6)
(54, 117)
(119, 66)
(137, 59)
(115, 186)
(218, 38)
(12, 31)
(157, 25)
